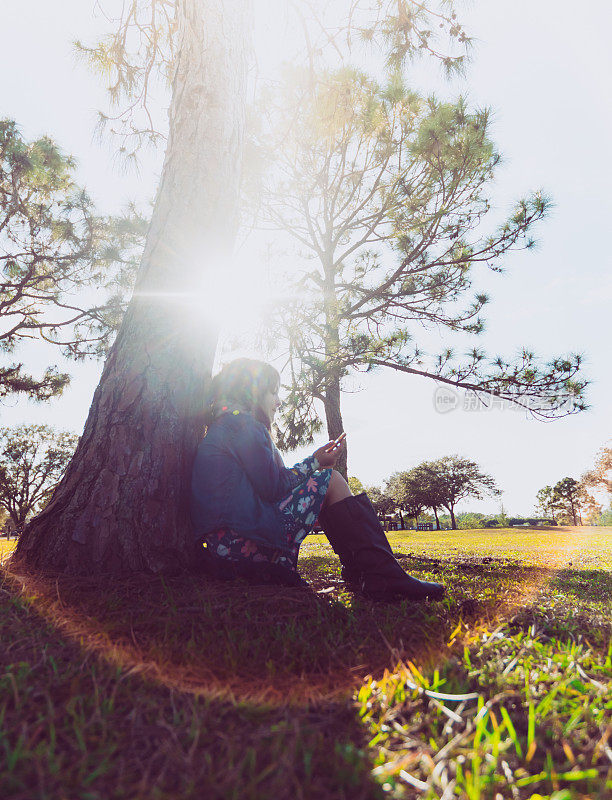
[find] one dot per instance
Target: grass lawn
(186, 687)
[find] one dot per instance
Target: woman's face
(270, 403)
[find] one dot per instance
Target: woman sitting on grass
(253, 513)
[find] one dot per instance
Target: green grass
(187, 687)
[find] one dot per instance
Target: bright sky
(545, 70)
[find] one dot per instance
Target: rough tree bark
(122, 504)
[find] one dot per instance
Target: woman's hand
(327, 457)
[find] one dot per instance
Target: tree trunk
(333, 417)
(453, 520)
(435, 510)
(123, 502)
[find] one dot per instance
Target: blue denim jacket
(238, 480)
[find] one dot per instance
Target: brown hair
(243, 383)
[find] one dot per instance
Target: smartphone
(336, 443)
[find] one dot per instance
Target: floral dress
(300, 510)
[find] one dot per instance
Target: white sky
(545, 70)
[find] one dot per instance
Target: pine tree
(385, 195)
(64, 269)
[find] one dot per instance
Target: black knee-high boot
(368, 564)
(338, 528)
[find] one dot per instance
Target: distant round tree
(547, 503)
(443, 483)
(32, 460)
(572, 499)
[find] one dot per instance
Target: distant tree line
(431, 490)
(34, 457)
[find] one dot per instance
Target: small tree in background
(417, 489)
(64, 271)
(355, 485)
(547, 503)
(432, 488)
(384, 505)
(572, 500)
(598, 481)
(408, 493)
(605, 518)
(32, 460)
(470, 520)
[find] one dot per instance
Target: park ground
(185, 687)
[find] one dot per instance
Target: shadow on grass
(74, 725)
(593, 585)
(269, 644)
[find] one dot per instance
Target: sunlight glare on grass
(6, 548)
(554, 547)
